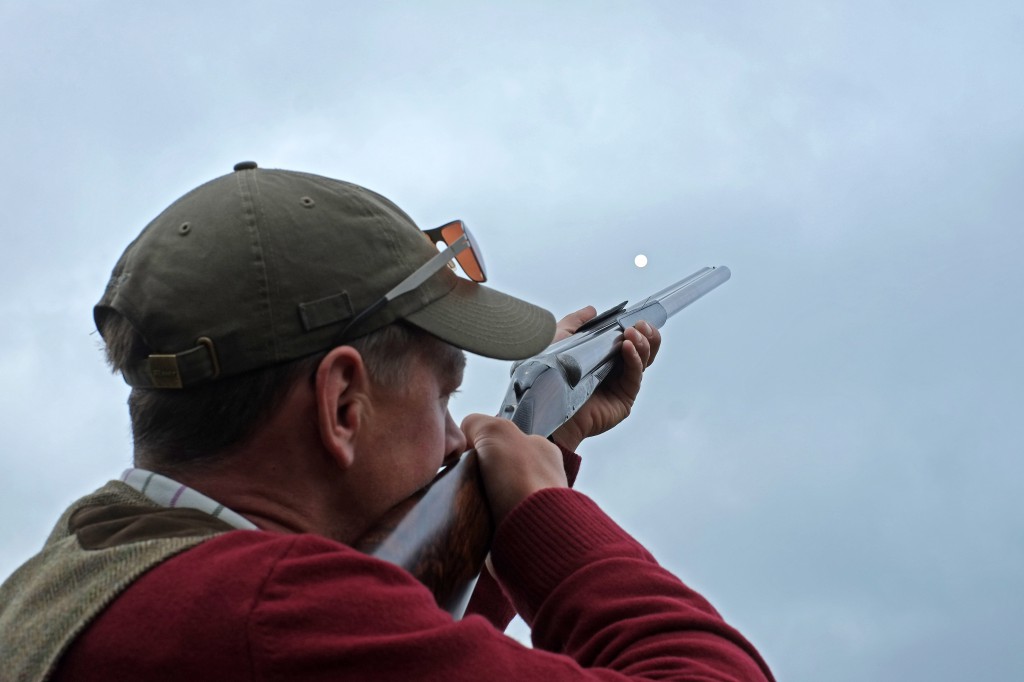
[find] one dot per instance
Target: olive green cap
(258, 267)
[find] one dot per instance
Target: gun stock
(441, 536)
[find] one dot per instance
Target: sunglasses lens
(471, 260)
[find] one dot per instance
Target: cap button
(245, 165)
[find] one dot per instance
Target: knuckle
(504, 426)
(538, 440)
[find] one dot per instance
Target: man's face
(409, 433)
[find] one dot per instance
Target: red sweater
(251, 605)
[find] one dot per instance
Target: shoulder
(233, 600)
(257, 561)
(228, 576)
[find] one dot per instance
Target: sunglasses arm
(424, 272)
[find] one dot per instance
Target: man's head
(259, 267)
(239, 289)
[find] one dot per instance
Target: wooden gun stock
(441, 535)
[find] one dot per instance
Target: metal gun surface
(547, 389)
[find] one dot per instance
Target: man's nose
(455, 439)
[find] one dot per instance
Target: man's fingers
(479, 426)
(513, 465)
(568, 325)
(634, 349)
(647, 342)
(654, 339)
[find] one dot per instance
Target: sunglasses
(461, 247)
(471, 260)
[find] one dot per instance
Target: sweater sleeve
(488, 600)
(590, 591)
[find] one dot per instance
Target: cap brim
(487, 322)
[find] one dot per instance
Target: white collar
(167, 492)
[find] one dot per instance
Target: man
(292, 342)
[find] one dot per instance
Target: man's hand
(614, 398)
(513, 465)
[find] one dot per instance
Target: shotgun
(443, 534)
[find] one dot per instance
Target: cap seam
(250, 206)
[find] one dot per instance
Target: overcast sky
(829, 446)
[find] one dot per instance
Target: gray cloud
(828, 446)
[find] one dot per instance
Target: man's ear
(342, 396)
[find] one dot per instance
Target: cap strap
(325, 311)
(177, 370)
